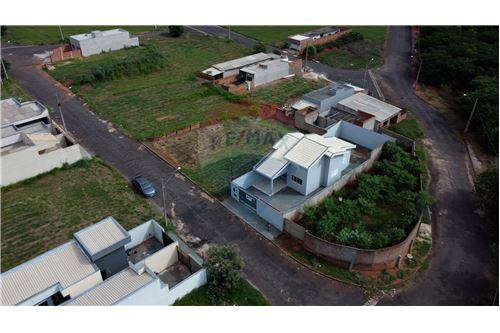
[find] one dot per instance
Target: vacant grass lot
(244, 295)
(172, 98)
(10, 88)
(214, 155)
(50, 34)
(43, 212)
(356, 55)
(285, 90)
(272, 34)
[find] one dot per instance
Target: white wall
(158, 293)
(105, 43)
(83, 285)
(139, 234)
(28, 163)
(162, 259)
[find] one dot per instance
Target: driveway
(201, 220)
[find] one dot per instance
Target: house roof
(113, 289)
(314, 33)
(64, 265)
(302, 104)
(267, 65)
(104, 33)
(101, 235)
(13, 111)
(371, 105)
(276, 161)
(328, 91)
(312, 147)
(244, 61)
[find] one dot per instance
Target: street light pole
(366, 70)
(229, 34)
(470, 116)
(418, 72)
(163, 183)
(4, 69)
(60, 111)
(60, 31)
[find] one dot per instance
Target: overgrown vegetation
(169, 99)
(286, 90)
(379, 210)
(147, 60)
(43, 212)
(465, 59)
(362, 47)
(487, 188)
(175, 30)
(9, 88)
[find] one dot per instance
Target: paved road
(461, 269)
(281, 280)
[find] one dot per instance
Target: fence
(400, 139)
(64, 53)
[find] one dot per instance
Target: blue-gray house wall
(327, 103)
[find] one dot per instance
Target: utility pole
(307, 53)
(470, 116)
(229, 34)
(418, 72)
(60, 31)
(60, 111)
(163, 197)
(366, 70)
(4, 69)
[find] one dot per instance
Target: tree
(259, 47)
(223, 269)
(175, 30)
(487, 189)
(4, 30)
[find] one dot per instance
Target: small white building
(102, 41)
(107, 265)
(30, 144)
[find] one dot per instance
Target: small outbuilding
(102, 41)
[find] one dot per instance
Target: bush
(150, 59)
(259, 47)
(3, 30)
(311, 51)
(223, 269)
(487, 189)
(348, 38)
(175, 30)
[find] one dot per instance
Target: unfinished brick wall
(64, 53)
(319, 41)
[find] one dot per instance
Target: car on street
(144, 186)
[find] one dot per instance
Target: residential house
(317, 37)
(30, 143)
(107, 265)
(385, 114)
(102, 41)
(231, 69)
(301, 169)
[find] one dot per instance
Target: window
(297, 180)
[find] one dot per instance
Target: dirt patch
(190, 149)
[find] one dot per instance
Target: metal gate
(248, 199)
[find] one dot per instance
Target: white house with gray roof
(30, 143)
(107, 265)
(102, 41)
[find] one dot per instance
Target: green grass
(409, 128)
(9, 88)
(170, 99)
(286, 90)
(39, 35)
(215, 155)
(244, 295)
(356, 55)
(43, 212)
(272, 34)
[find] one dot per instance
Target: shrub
(311, 51)
(348, 38)
(150, 59)
(487, 189)
(175, 30)
(259, 47)
(223, 269)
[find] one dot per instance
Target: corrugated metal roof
(101, 235)
(65, 265)
(276, 160)
(244, 61)
(312, 146)
(371, 105)
(113, 289)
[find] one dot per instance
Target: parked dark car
(144, 186)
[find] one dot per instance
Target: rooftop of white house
(13, 111)
(244, 61)
(365, 103)
(98, 33)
